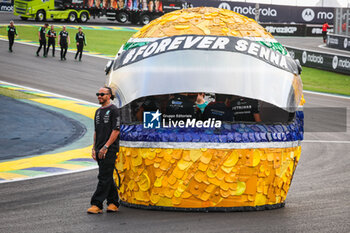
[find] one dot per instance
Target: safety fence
(324, 61)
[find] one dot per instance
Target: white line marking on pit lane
(325, 141)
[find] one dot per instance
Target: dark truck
(135, 11)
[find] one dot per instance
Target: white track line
(327, 94)
(48, 175)
(322, 46)
(51, 93)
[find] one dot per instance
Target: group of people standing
(194, 105)
(63, 41)
(49, 38)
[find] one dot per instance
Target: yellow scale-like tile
(202, 21)
(183, 184)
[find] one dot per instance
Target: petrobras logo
(151, 120)
(308, 14)
(281, 30)
(248, 10)
(312, 58)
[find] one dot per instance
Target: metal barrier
(323, 61)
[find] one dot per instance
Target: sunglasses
(101, 94)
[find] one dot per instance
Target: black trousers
(106, 188)
(79, 50)
(11, 41)
(42, 44)
(53, 47)
(324, 35)
(64, 47)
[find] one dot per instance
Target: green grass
(109, 41)
(101, 41)
(16, 94)
(325, 81)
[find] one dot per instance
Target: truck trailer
(134, 11)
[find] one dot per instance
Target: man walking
(11, 33)
(64, 41)
(105, 147)
(81, 41)
(51, 34)
(325, 27)
(42, 39)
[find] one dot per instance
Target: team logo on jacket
(106, 117)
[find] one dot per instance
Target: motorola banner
(6, 5)
(274, 13)
(338, 42)
(324, 61)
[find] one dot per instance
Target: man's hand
(102, 153)
(93, 154)
(78, 43)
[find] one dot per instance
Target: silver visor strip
(208, 145)
(204, 71)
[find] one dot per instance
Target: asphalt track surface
(318, 200)
(41, 130)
